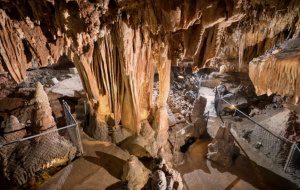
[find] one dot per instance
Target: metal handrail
(292, 148)
(67, 111)
(69, 125)
(37, 135)
(255, 122)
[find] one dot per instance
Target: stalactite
(11, 48)
(117, 47)
(241, 52)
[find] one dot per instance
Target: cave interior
(149, 94)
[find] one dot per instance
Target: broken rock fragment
(223, 149)
(135, 173)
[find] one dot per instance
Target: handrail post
(290, 156)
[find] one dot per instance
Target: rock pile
(164, 178)
(183, 93)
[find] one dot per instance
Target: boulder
(200, 127)
(223, 149)
(135, 173)
(144, 144)
(197, 117)
(198, 108)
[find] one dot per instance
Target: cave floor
(100, 167)
(102, 163)
(199, 173)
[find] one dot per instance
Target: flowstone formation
(21, 160)
(278, 71)
(117, 46)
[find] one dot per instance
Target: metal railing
(293, 162)
(281, 151)
(73, 133)
(70, 132)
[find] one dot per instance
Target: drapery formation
(117, 46)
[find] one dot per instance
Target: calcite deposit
(20, 160)
(278, 71)
(117, 46)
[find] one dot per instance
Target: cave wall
(118, 45)
(278, 71)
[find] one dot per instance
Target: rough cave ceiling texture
(118, 44)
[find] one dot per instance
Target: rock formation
(222, 149)
(13, 130)
(278, 71)
(21, 160)
(135, 173)
(198, 119)
(164, 177)
(118, 45)
(42, 118)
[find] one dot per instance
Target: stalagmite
(21, 159)
(135, 173)
(43, 118)
(117, 46)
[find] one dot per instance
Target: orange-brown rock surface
(20, 159)
(278, 71)
(117, 45)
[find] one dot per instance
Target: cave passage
(160, 94)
